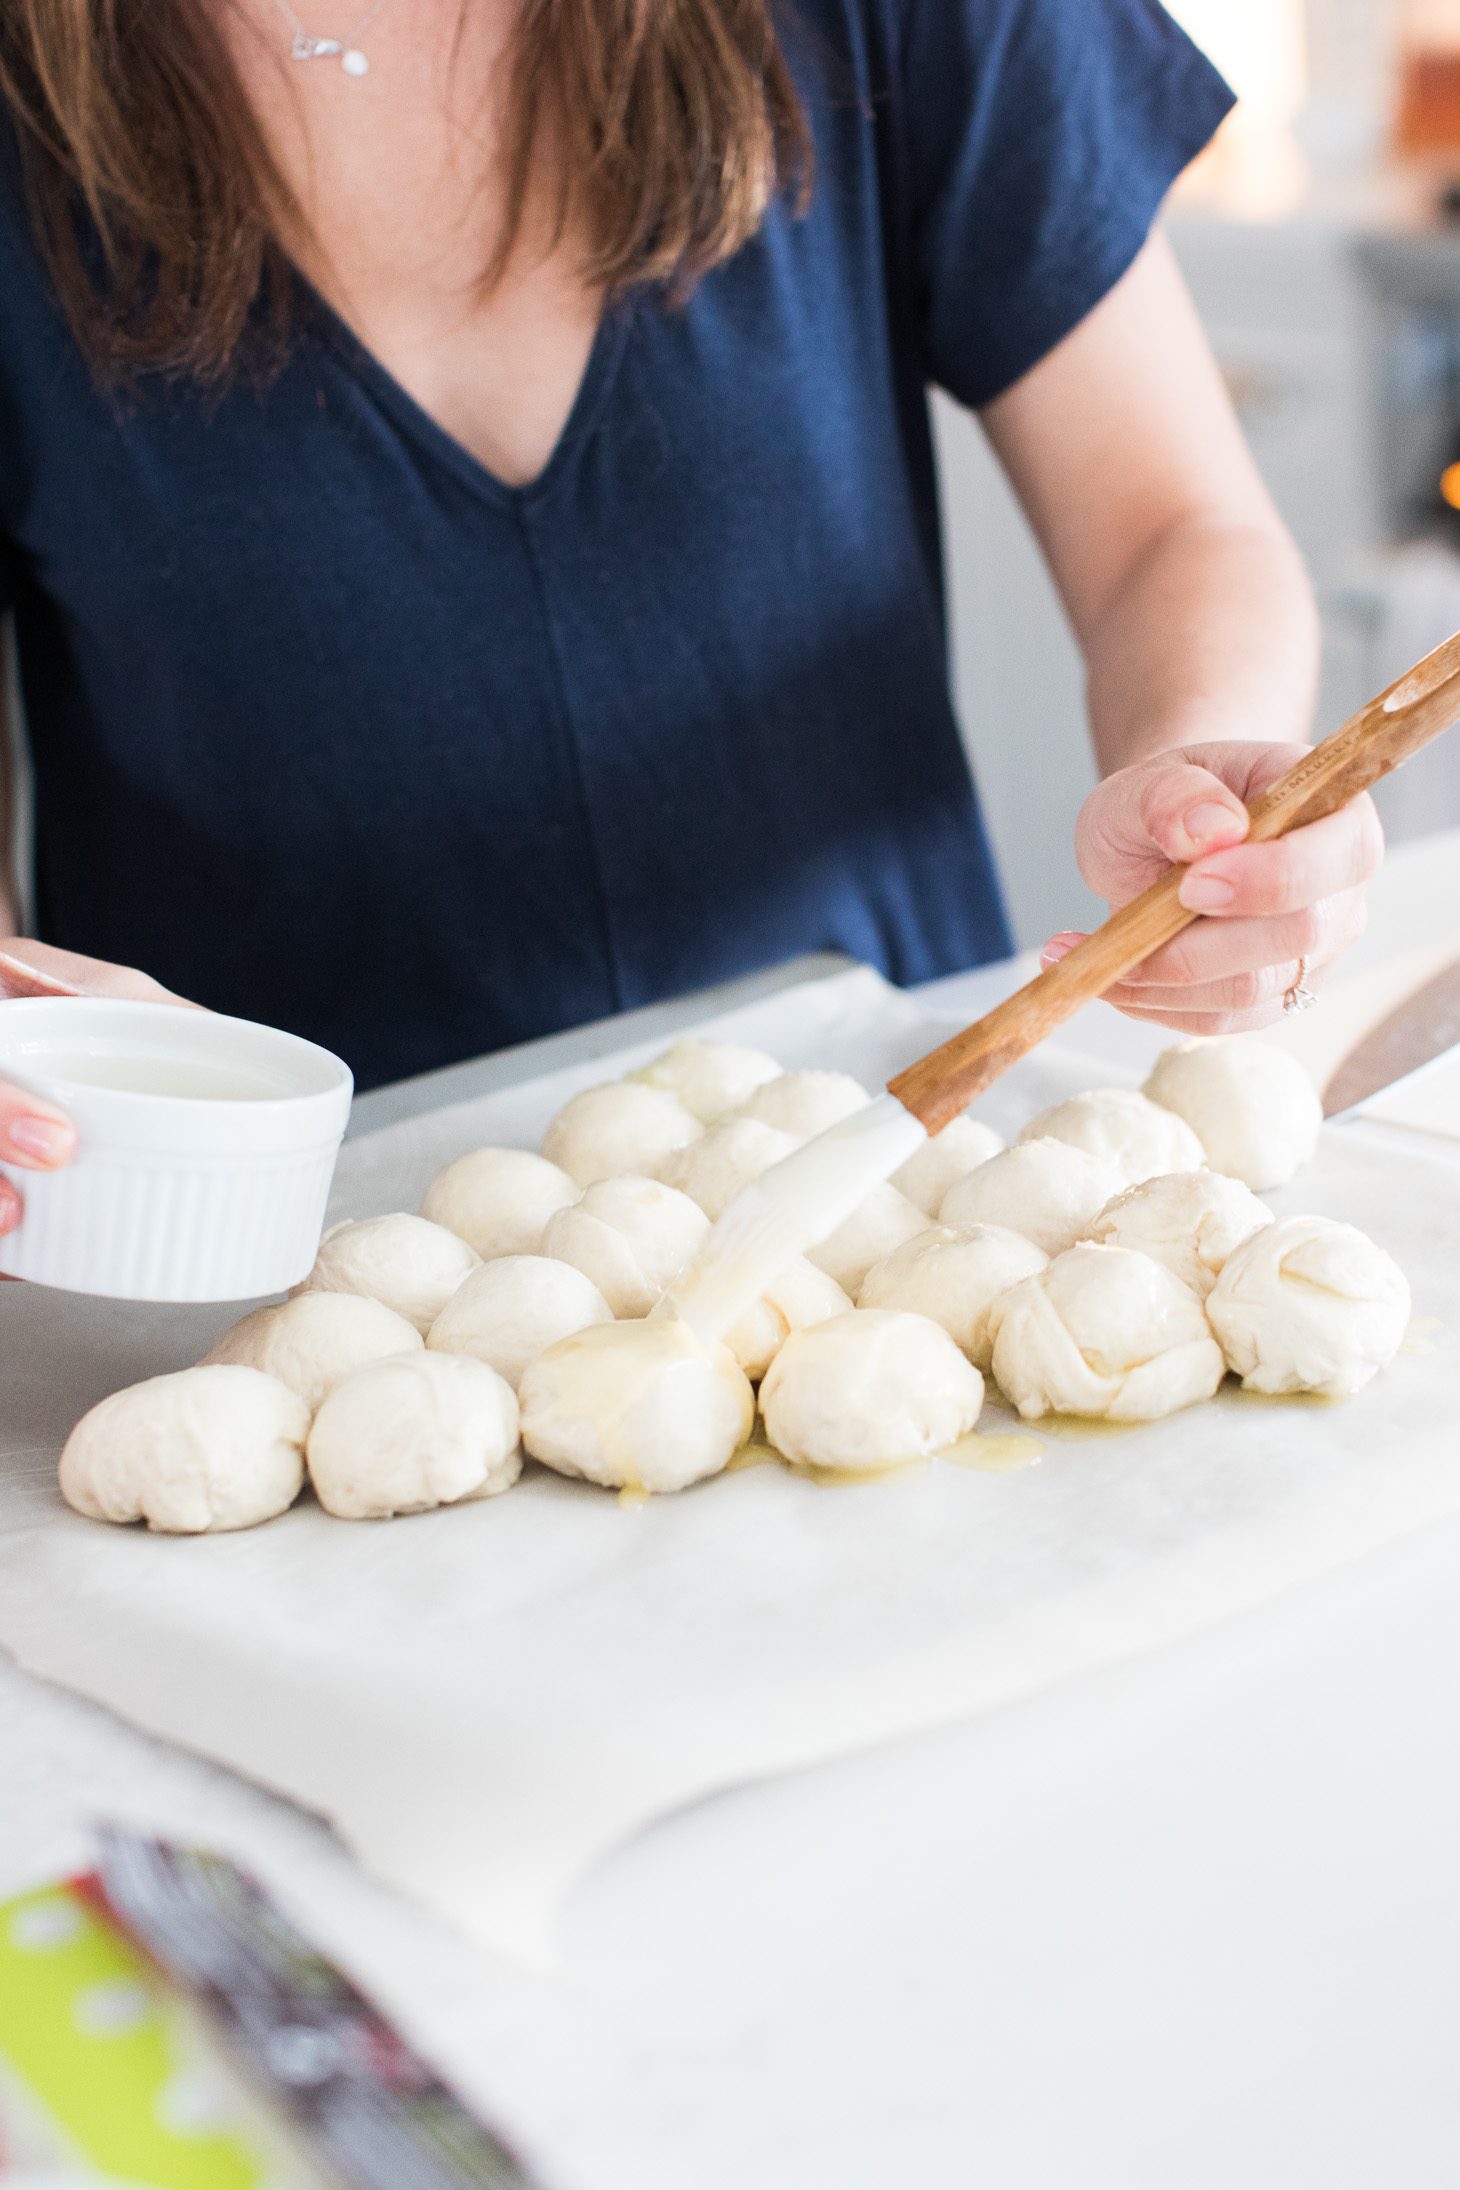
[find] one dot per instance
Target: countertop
(1193, 1920)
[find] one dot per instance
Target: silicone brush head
(796, 1204)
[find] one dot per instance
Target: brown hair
(164, 219)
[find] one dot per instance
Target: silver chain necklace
(307, 47)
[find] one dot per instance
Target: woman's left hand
(1272, 910)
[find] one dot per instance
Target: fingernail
(42, 1140)
(1207, 893)
(9, 1207)
(1058, 947)
(1210, 822)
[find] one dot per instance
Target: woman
(466, 499)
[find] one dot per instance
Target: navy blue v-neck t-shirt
(330, 728)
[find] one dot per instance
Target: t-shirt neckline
(597, 379)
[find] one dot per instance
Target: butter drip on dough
(636, 1406)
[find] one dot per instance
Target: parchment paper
(483, 1700)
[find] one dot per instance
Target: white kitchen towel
(484, 1700)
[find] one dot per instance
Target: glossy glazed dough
(313, 1340)
(216, 1447)
(1308, 1305)
(499, 1200)
(620, 1129)
(710, 1078)
(513, 1309)
(885, 1221)
(632, 1237)
(727, 1158)
(800, 1296)
(806, 1103)
(1050, 1191)
(420, 1431)
(1104, 1332)
(960, 1148)
(1253, 1107)
(954, 1278)
(408, 1263)
(1191, 1221)
(1137, 1136)
(644, 1406)
(873, 1389)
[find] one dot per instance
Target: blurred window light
(1255, 171)
(1259, 45)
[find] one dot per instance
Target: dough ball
(869, 1390)
(408, 1263)
(632, 1237)
(1104, 1332)
(511, 1310)
(715, 1168)
(801, 1295)
(1307, 1305)
(1050, 1191)
(885, 1221)
(1142, 1140)
(420, 1431)
(806, 1103)
(954, 1278)
(313, 1340)
(949, 1156)
(1191, 1221)
(644, 1406)
(710, 1078)
(498, 1200)
(620, 1129)
(219, 1446)
(1253, 1107)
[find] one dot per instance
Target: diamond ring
(1299, 997)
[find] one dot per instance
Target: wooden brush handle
(1359, 755)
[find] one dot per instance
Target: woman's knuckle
(1241, 991)
(1309, 930)
(1267, 990)
(1154, 796)
(1178, 966)
(1371, 839)
(1293, 884)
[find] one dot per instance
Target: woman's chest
(408, 212)
(706, 478)
(498, 372)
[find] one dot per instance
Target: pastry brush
(801, 1200)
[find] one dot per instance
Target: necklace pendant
(354, 62)
(314, 49)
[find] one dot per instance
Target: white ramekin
(215, 1191)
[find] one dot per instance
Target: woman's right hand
(34, 1135)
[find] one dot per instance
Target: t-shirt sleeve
(1039, 139)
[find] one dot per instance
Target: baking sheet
(482, 1701)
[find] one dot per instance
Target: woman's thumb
(1161, 814)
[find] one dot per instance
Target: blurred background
(1321, 235)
